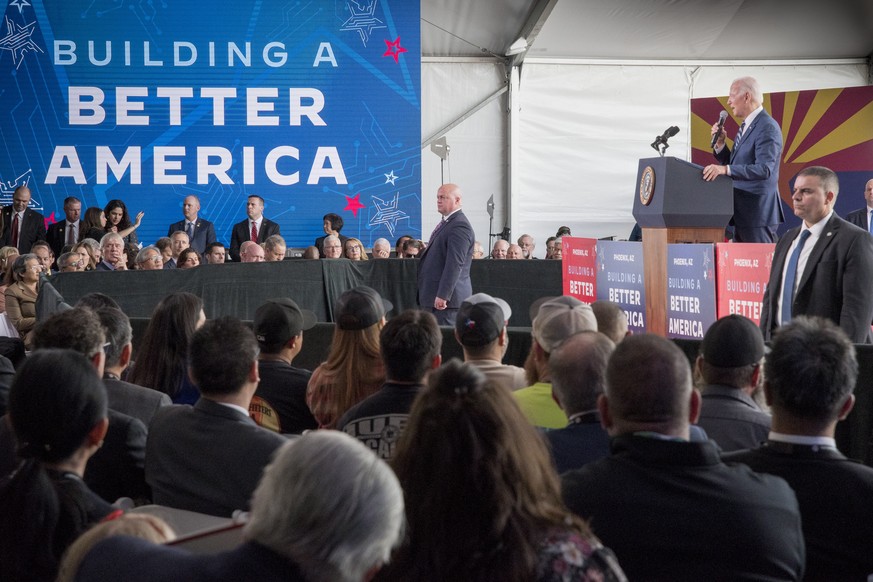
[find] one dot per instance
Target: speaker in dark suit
(833, 279)
(242, 231)
(201, 233)
(31, 224)
(444, 266)
(753, 164)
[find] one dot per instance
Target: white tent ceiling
(652, 29)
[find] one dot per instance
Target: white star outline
(387, 213)
(390, 177)
(363, 19)
(20, 4)
(17, 41)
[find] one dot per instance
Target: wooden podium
(674, 204)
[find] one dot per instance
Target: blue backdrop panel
(315, 106)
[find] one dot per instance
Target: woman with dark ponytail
(57, 409)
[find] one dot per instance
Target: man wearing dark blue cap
(279, 403)
(730, 362)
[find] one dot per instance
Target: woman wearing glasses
(23, 284)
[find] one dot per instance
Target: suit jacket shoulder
(859, 218)
(136, 401)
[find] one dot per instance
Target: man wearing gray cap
(481, 330)
(556, 320)
(730, 363)
(279, 403)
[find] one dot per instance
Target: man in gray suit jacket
(133, 400)
(823, 267)
(861, 217)
(444, 267)
(209, 457)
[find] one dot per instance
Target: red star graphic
(354, 204)
(394, 49)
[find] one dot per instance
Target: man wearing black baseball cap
(279, 403)
(480, 328)
(730, 364)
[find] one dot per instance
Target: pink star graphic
(354, 204)
(394, 49)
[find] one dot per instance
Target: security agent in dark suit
(830, 275)
(242, 231)
(65, 231)
(201, 233)
(209, 457)
(861, 217)
(810, 374)
(578, 372)
(753, 164)
(444, 266)
(29, 226)
(669, 508)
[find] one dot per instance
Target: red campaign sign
(580, 267)
(743, 271)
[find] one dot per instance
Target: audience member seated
(188, 259)
(333, 248)
(325, 509)
(478, 251)
(112, 249)
(161, 361)
(216, 254)
(57, 407)
(209, 457)
(558, 250)
(556, 320)
(116, 470)
(130, 399)
(410, 345)
(398, 245)
(96, 300)
(149, 259)
(165, 245)
(118, 221)
(563, 231)
(138, 525)
(332, 225)
(501, 247)
(354, 250)
(527, 244)
(93, 224)
(809, 376)
(578, 372)
(251, 252)
(274, 248)
(353, 369)
(668, 507)
(44, 254)
(515, 252)
(480, 328)
(611, 320)
(71, 262)
(550, 246)
(311, 252)
(482, 499)
(22, 287)
(279, 403)
(412, 248)
(90, 249)
(129, 255)
(381, 248)
(730, 366)
(178, 242)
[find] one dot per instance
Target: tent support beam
(472, 111)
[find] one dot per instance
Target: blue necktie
(739, 134)
(190, 231)
(870, 222)
(790, 276)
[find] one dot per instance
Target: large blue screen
(314, 106)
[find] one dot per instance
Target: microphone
(669, 132)
(722, 117)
